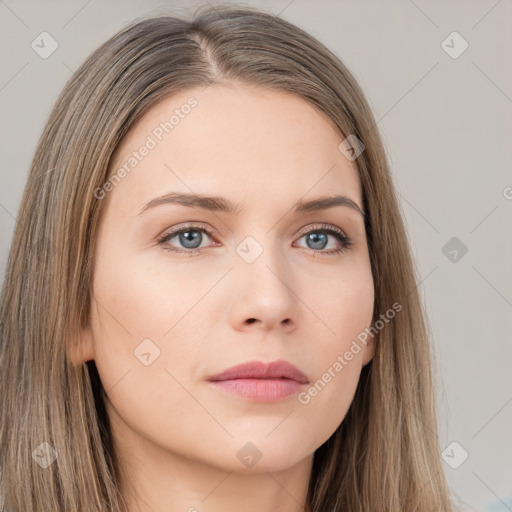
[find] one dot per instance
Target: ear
(81, 346)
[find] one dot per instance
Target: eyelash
(346, 243)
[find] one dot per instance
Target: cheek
(346, 304)
(145, 349)
(340, 353)
(135, 316)
(134, 300)
(147, 319)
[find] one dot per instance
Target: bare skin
(178, 438)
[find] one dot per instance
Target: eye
(317, 238)
(190, 238)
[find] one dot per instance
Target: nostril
(251, 320)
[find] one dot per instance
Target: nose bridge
(264, 283)
(261, 256)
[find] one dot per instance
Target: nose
(264, 296)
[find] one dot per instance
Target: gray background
(446, 124)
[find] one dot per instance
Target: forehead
(236, 141)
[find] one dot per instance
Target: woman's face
(252, 278)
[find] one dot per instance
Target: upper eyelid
(184, 227)
(322, 226)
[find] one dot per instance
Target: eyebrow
(220, 204)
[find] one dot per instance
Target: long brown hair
(383, 456)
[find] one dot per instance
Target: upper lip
(261, 370)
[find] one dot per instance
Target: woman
(210, 302)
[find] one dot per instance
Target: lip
(260, 381)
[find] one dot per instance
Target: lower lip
(260, 390)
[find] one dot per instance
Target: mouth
(261, 382)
